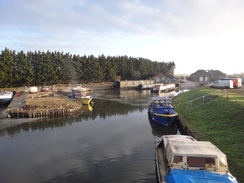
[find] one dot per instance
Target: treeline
(48, 68)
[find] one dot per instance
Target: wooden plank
(161, 163)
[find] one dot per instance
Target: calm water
(112, 143)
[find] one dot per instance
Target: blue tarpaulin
(198, 176)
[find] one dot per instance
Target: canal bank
(216, 117)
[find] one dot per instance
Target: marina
(115, 142)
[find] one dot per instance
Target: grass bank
(218, 118)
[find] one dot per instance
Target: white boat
(159, 87)
(181, 158)
(5, 97)
(145, 86)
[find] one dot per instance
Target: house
(207, 75)
(161, 78)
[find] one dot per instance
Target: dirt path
(189, 85)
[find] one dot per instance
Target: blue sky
(195, 34)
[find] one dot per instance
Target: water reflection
(2, 112)
(102, 109)
(113, 142)
(160, 129)
(132, 97)
(87, 107)
(115, 149)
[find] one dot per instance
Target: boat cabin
(161, 101)
(188, 153)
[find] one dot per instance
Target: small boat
(80, 95)
(84, 99)
(161, 110)
(5, 98)
(181, 158)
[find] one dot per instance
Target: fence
(207, 97)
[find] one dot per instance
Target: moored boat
(159, 87)
(5, 98)
(181, 158)
(84, 99)
(80, 95)
(145, 86)
(161, 110)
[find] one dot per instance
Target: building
(161, 78)
(207, 75)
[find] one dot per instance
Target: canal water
(112, 141)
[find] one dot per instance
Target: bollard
(227, 95)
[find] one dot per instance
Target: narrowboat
(181, 158)
(161, 87)
(145, 86)
(162, 111)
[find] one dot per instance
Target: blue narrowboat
(162, 111)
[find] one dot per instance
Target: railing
(204, 97)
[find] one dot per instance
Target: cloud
(171, 30)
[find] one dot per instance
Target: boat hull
(5, 98)
(5, 101)
(85, 101)
(160, 117)
(166, 120)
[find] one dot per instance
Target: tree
(7, 68)
(45, 68)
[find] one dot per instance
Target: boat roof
(160, 98)
(191, 147)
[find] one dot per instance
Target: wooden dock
(18, 108)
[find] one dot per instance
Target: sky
(194, 34)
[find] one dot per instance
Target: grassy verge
(217, 119)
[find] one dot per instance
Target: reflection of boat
(162, 111)
(5, 98)
(159, 129)
(181, 158)
(87, 107)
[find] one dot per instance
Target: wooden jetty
(19, 107)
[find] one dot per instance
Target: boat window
(201, 162)
(222, 162)
(210, 162)
(196, 161)
(178, 160)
